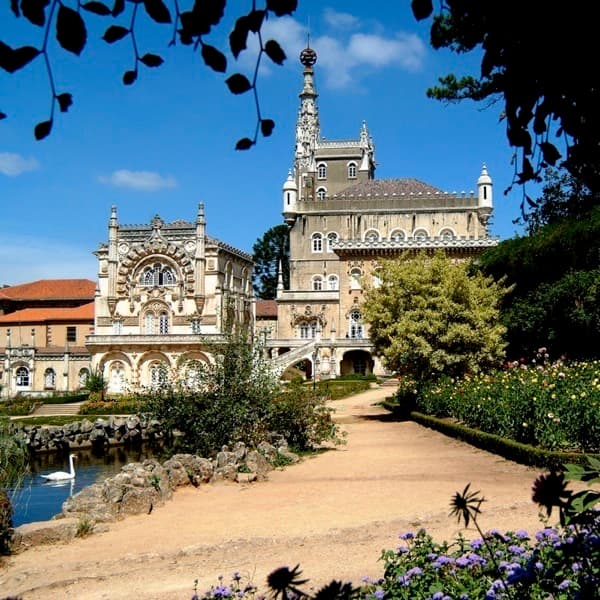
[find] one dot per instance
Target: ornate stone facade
(343, 222)
(165, 292)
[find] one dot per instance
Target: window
(333, 282)
(371, 236)
(397, 235)
(321, 193)
(446, 234)
(420, 234)
(158, 374)
(157, 275)
(356, 328)
(117, 326)
(317, 284)
(84, 375)
(116, 380)
(71, 333)
(355, 275)
(317, 242)
(149, 324)
(308, 329)
(332, 238)
(49, 379)
(322, 171)
(163, 323)
(22, 377)
(196, 326)
(351, 170)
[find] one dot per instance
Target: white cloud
(145, 181)
(15, 164)
(24, 259)
(339, 20)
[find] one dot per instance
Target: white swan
(60, 475)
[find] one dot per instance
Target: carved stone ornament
(309, 314)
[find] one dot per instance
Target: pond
(38, 499)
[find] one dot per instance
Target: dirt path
(333, 514)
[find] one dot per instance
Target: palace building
(342, 223)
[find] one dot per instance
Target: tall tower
(307, 129)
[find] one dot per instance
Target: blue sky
(167, 143)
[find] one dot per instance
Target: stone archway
(356, 361)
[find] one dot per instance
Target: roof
(266, 308)
(379, 187)
(85, 312)
(51, 289)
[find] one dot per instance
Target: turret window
(352, 170)
(317, 242)
(322, 171)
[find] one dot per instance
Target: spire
(279, 278)
(307, 128)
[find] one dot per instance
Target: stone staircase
(56, 410)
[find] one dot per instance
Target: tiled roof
(379, 187)
(51, 289)
(85, 312)
(266, 308)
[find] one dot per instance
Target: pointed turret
(484, 196)
(290, 196)
(307, 128)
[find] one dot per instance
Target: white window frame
(420, 234)
(333, 283)
(49, 379)
(316, 242)
(322, 171)
(355, 276)
(22, 377)
(395, 232)
(352, 170)
(321, 193)
(355, 325)
(331, 237)
(372, 233)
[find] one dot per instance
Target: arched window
(321, 193)
(49, 379)
(156, 319)
(420, 234)
(322, 171)
(192, 374)
(157, 275)
(22, 377)
(333, 282)
(308, 329)
(84, 375)
(317, 242)
(446, 234)
(355, 329)
(332, 238)
(397, 235)
(372, 236)
(352, 170)
(149, 326)
(355, 275)
(158, 374)
(163, 322)
(317, 283)
(116, 380)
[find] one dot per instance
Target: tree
(530, 53)
(430, 317)
(269, 252)
(188, 25)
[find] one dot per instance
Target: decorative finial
(308, 57)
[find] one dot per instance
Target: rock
(44, 532)
(245, 477)
(257, 463)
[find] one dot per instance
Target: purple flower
(414, 571)
(409, 535)
(476, 544)
(564, 584)
(401, 550)
(442, 561)
(463, 561)
(438, 596)
(576, 567)
(379, 594)
(517, 550)
(522, 534)
(404, 580)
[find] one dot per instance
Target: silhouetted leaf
(551, 154)
(238, 83)
(14, 6)
(244, 144)
(421, 9)
(239, 36)
(118, 8)
(255, 19)
(114, 33)
(129, 77)
(267, 126)
(532, 203)
(157, 11)
(185, 38)
(13, 60)
(2, 115)
(214, 58)
(192, 24)
(152, 60)
(97, 8)
(70, 30)
(274, 52)
(64, 101)
(35, 11)
(42, 129)
(210, 11)
(282, 7)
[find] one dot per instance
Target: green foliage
(519, 53)
(117, 405)
(268, 252)
(96, 382)
(430, 317)
(85, 527)
(334, 389)
(65, 398)
(17, 406)
(553, 407)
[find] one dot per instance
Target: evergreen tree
(430, 317)
(269, 251)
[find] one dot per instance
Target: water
(37, 499)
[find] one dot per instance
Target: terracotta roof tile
(266, 308)
(85, 312)
(379, 187)
(51, 289)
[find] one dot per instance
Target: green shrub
(65, 398)
(18, 406)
